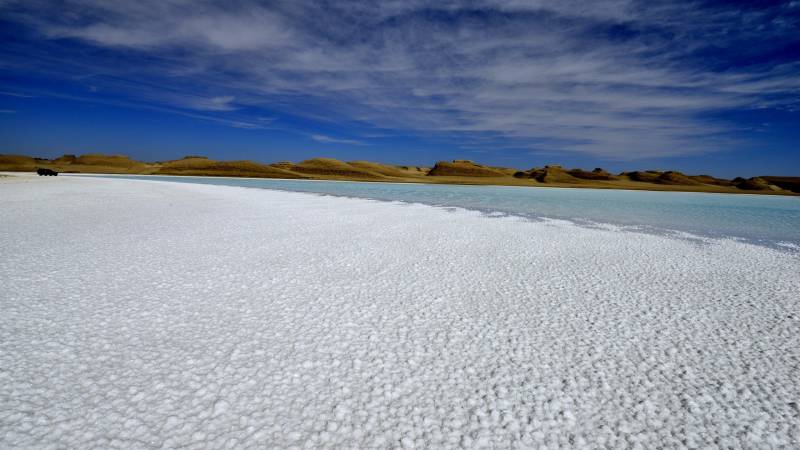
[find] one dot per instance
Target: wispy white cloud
(246, 123)
(331, 140)
(16, 94)
(220, 103)
(612, 78)
(7, 111)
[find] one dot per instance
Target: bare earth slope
(17, 163)
(141, 314)
(334, 168)
(788, 183)
(386, 170)
(197, 166)
(464, 168)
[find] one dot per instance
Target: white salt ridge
(147, 314)
(789, 246)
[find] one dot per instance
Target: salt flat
(146, 314)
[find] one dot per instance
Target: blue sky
(702, 87)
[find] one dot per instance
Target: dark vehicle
(47, 172)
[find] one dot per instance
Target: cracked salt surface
(148, 314)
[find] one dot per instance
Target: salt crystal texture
(147, 314)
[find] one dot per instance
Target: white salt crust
(140, 314)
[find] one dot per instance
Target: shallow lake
(764, 219)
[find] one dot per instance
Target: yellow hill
(788, 183)
(596, 174)
(98, 159)
(385, 169)
(17, 163)
(329, 167)
(708, 179)
(199, 166)
(464, 168)
(550, 174)
(286, 165)
(757, 184)
(676, 178)
(455, 172)
(647, 176)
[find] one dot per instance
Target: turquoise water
(756, 218)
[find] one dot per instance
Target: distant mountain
(443, 172)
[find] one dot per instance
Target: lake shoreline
(454, 183)
(757, 219)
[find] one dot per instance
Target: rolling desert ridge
(443, 172)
